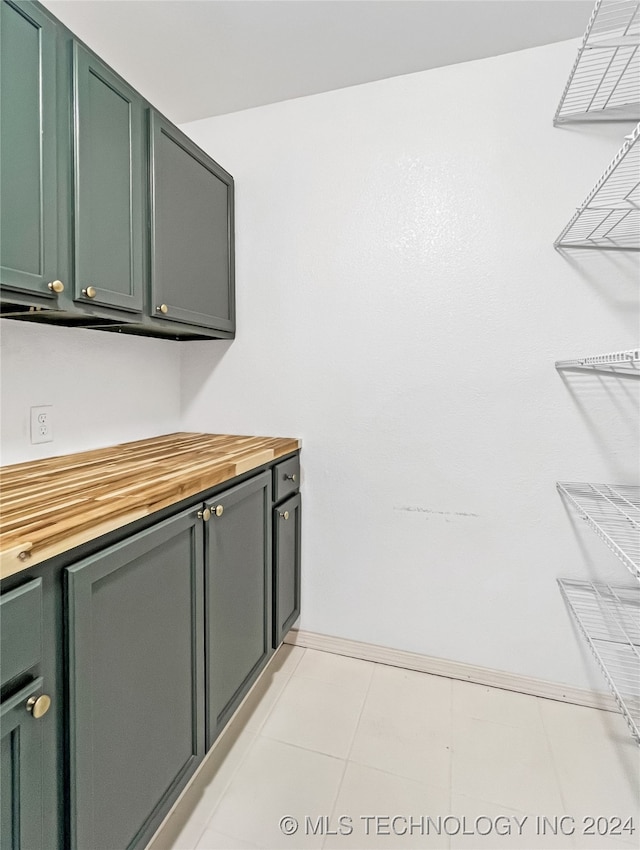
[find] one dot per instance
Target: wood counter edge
(11, 563)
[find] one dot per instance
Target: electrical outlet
(42, 424)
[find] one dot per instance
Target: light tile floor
(361, 754)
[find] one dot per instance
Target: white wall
(105, 388)
(400, 308)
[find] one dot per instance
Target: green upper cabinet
(192, 268)
(28, 208)
(110, 217)
(108, 178)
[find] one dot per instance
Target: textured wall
(105, 388)
(400, 308)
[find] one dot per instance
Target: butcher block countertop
(49, 506)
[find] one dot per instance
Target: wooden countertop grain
(52, 505)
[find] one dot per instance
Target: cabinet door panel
(238, 593)
(136, 671)
(20, 629)
(109, 185)
(287, 524)
(21, 773)
(192, 232)
(28, 211)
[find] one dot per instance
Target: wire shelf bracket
(609, 218)
(609, 620)
(613, 513)
(605, 79)
(618, 362)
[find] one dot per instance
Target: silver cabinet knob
(290, 477)
(219, 510)
(205, 514)
(284, 514)
(38, 706)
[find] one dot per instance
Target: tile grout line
(445, 787)
(231, 837)
(303, 748)
(547, 739)
(244, 757)
(350, 747)
(361, 712)
(499, 723)
(452, 701)
(311, 749)
(335, 799)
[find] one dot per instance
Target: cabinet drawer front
(28, 212)
(109, 186)
(287, 527)
(192, 264)
(286, 478)
(20, 629)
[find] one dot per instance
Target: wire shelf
(620, 362)
(609, 619)
(610, 216)
(613, 513)
(605, 78)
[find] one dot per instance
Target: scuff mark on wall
(430, 511)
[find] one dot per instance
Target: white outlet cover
(42, 424)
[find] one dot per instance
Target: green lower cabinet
(136, 682)
(146, 648)
(287, 526)
(238, 596)
(21, 775)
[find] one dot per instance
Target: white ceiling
(195, 58)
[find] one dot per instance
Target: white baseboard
(452, 669)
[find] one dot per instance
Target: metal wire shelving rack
(613, 513)
(619, 362)
(609, 619)
(609, 218)
(605, 78)
(604, 84)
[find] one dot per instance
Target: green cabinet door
(287, 525)
(192, 265)
(238, 596)
(136, 672)
(28, 203)
(109, 186)
(21, 773)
